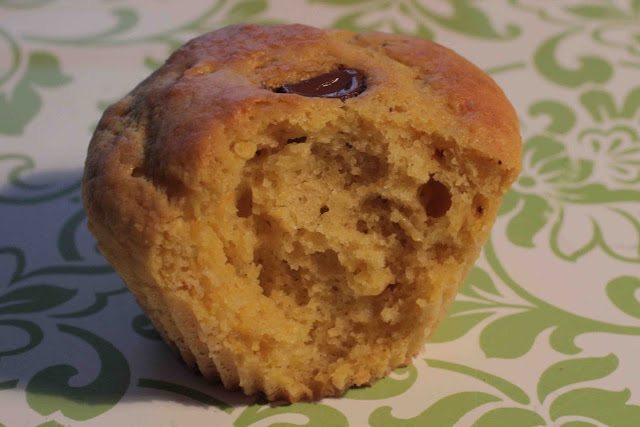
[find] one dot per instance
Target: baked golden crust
(170, 166)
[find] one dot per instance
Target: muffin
(295, 209)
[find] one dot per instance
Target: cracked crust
(169, 166)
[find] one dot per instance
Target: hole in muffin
(277, 276)
(328, 264)
(480, 203)
(324, 209)
(244, 203)
(372, 168)
(435, 197)
(442, 252)
(362, 226)
(137, 172)
(298, 140)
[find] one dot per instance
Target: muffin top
(223, 88)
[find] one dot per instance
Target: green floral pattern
(558, 347)
(611, 27)
(388, 15)
(593, 182)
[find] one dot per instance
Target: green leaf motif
(30, 328)
(351, 22)
(446, 412)
(574, 371)
(34, 298)
(601, 105)
(102, 298)
(597, 239)
(152, 63)
(247, 8)
(43, 70)
(540, 148)
(15, 178)
(562, 118)
(386, 387)
(619, 146)
(8, 385)
(49, 391)
(592, 69)
(51, 423)
(464, 306)
(631, 104)
(607, 407)
(596, 194)
(143, 327)
(513, 335)
(23, 4)
(78, 270)
(18, 255)
(547, 196)
(453, 327)
(185, 391)
(318, 415)
(578, 424)
(16, 55)
(465, 18)
(21, 274)
(509, 389)
(597, 11)
(512, 417)
(478, 279)
(509, 202)
(67, 237)
(420, 31)
(126, 19)
(577, 253)
(469, 20)
(506, 67)
(622, 292)
(529, 221)
(341, 2)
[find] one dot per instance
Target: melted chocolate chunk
(343, 84)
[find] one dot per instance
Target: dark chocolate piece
(342, 84)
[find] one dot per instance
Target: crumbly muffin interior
(346, 236)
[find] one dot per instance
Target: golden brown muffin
(299, 245)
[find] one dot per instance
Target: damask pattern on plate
(521, 346)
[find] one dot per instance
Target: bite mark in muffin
(293, 244)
